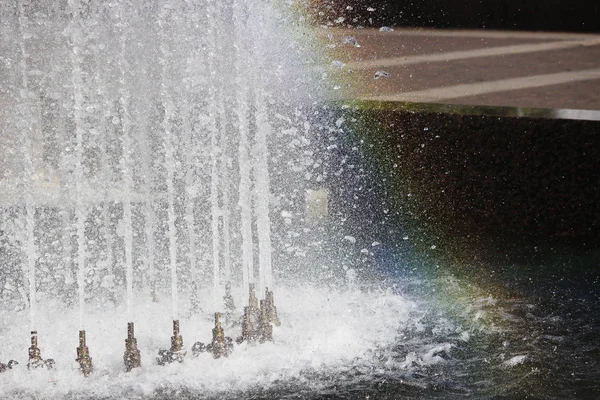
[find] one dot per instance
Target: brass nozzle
(218, 333)
(248, 334)
(253, 303)
(266, 329)
(130, 331)
(176, 339)
(271, 309)
(176, 352)
(35, 355)
(132, 357)
(220, 345)
(83, 356)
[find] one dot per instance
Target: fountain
(135, 139)
(83, 356)
(176, 352)
(163, 162)
(132, 357)
(35, 355)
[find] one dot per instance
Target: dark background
(540, 15)
(517, 193)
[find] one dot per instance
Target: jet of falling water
(77, 81)
(169, 110)
(122, 167)
(127, 178)
(29, 242)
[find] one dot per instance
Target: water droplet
(337, 64)
(350, 40)
(381, 74)
(386, 29)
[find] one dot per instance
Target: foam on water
(323, 331)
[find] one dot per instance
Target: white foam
(516, 360)
(322, 330)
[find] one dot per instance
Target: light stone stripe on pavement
(474, 89)
(460, 33)
(467, 54)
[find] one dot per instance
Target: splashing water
(153, 152)
(153, 106)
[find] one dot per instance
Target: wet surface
(527, 347)
(475, 67)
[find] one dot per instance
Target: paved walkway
(477, 67)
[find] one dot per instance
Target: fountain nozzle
(132, 357)
(83, 356)
(35, 355)
(176, 339)
(271, 309)
(248, 333)
(265, 329)
(253, 303)
(176, 352)
(220, 345)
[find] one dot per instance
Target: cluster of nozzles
(257, 326)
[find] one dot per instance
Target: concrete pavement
(469, 67)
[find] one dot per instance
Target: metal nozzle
(253, 303)
(130, 331)
(248, 334)
(271, 309)
(83, 356)
(35, 355)
(176, 352)
(34, 341)
(266, 329)
(220, 345)
(132, 357)
(176, 339)
(218, 333)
